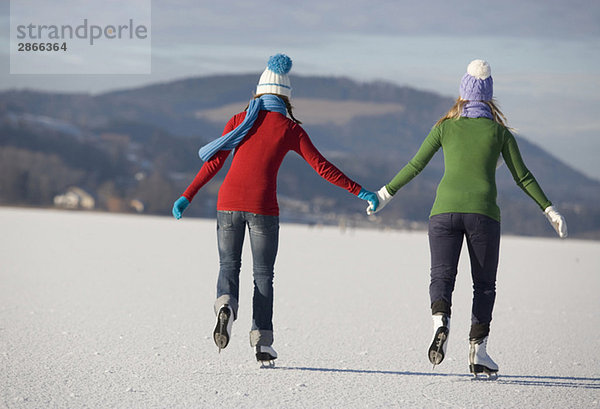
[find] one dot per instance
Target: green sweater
(471, 149)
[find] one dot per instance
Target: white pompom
(479, 69)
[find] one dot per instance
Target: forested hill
(142, 144)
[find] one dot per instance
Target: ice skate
(441, 331)
(222, 331)
(266, 355)
(480, 363)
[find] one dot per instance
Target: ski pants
(264, 238)
(482, 233)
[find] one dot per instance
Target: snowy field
(115, 311)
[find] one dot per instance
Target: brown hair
(287, 103)
(457, 109)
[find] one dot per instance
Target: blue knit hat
(477, 84)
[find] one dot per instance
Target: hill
(140, 144)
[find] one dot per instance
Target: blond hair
(456, 111)
(287, 103)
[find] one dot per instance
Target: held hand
(384, 198)
(557, 221)
(179, 207)
(369, 197)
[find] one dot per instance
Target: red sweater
(251, 183)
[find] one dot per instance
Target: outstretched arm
(329, 172)
(526, 181)
(210, 168)
(428, 148)
(205, 174)
(323, 167)
(522, 176)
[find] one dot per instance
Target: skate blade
(485, 376)
(435, 350)
(221, 341)
(220, 333)
(481, 373)
(265, 359)
(435, 358)
(267, 364)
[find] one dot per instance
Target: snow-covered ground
(114, 311)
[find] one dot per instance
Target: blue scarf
(229, 141)
(477, 109)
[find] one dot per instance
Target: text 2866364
(42, 47)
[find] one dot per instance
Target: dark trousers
(446, 233)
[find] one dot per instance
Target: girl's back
(471, 148)
(251, 182)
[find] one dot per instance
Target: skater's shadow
(526, 380)
(366, 371)
(554, 381)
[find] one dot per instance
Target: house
(75, 198)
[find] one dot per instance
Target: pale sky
(545, 55)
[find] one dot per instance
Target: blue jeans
(446, 233)
(264, 239)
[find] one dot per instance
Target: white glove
(557, 221)
(384, 197)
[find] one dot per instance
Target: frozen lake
(115, 311)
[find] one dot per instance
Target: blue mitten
(179, 207)
(384, 198)
(369, 197)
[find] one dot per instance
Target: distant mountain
(142, 143)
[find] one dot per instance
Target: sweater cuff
(390, 190)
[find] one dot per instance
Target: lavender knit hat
(477, 84)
